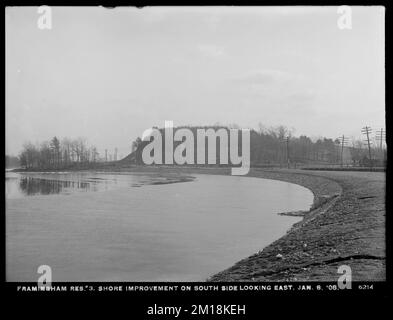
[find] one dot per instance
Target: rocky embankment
(346, 225)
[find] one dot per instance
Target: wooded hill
(275, 146)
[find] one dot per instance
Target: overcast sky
(109, 74)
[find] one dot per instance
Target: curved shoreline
(346, 225)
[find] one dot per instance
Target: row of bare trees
(278, 145)
(360, 154)
(56, 154)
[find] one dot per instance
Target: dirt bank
(346, 226)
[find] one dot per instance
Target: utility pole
(343, 141)
(286, 140)
(288, 159)
(338, 144)
(106, 155)
(367, 131)
(380, 136)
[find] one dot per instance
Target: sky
(110, 74)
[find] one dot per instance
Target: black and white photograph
(209, 145)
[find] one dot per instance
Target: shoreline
(345, 225)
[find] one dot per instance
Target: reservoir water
(95, 226)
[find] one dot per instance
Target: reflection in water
(33, 186)
(173, 232)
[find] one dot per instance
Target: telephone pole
(381, 136)
(367, 131)
(343, 141)
(286, 140)
(288, 159)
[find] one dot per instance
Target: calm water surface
(141, 227)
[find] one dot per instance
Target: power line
(343, 142)
(367, 131)
(288, 161)
(380, 136)
(286, 140)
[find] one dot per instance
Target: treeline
(11, 162)
(55, 154)
(278, 146)
(268, 146)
